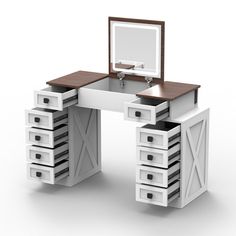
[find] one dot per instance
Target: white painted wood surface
(103, 100)
(108, 94)
(182, 105)
(47, 138)
(159, 195)
(44, 118)
(160, 177)
(84, 144)
(47, 156)
(85, 141)
(160, 137)
(56, 97)
(47, 174)
(194, 155)
(159, 158)
(148, 110)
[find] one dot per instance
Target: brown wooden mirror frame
(130, 20)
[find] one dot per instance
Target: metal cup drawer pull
(37, 137)
(38, 174)
(149, 195)
(36, 119)
(46, 100)
(150, 139)
(138, 114)
(149, 176)
(149, 157)
(38, 156)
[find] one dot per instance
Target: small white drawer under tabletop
(55, 98)
(146, 110)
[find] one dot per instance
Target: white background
(42, 40)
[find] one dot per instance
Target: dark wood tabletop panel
(168, 90)
(77, 79)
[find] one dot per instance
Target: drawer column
(158, 163)
(65, 139)
(48, 153)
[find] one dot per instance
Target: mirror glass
(135, 48)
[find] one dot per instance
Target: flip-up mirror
(136, 47)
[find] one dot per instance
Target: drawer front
(55, 100)
(48, 100)
(157, 196)
(47, 156)
(136, 111)
(158, 157)
(45, 119)
(152, 139)
(156, 176)
(46, 138)
(157, 138)
(45, 174)
(39, 137)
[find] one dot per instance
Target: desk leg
(194, 158)
(84, 144)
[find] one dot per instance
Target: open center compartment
(109, 93)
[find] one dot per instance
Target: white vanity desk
(172, 146)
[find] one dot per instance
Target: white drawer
(146, 110)
(157, 196)
(156, 176)
(46, 174)
(162, 135)
(55, 98)
(47, 156)
(158, 157)
(45, 118)
(47, 138)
